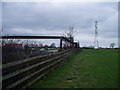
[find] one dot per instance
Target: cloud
(54, 18)
(23, 31)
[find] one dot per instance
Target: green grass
(86, 69)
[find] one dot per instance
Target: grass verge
(87, 69)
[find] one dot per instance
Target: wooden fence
(23, 73)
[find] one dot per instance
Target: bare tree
(112, 45)
(70, 32)
(69, 35)
(52, 45)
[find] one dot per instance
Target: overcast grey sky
(54, 18)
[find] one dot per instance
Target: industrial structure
(96, 44)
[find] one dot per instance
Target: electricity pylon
(96, 44)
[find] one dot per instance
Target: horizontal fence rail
(28, 59)
(27, 68)
(25, 72)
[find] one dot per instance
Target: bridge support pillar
(61, 44)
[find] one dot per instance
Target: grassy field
(86, 69)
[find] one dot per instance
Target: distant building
(12, 45)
